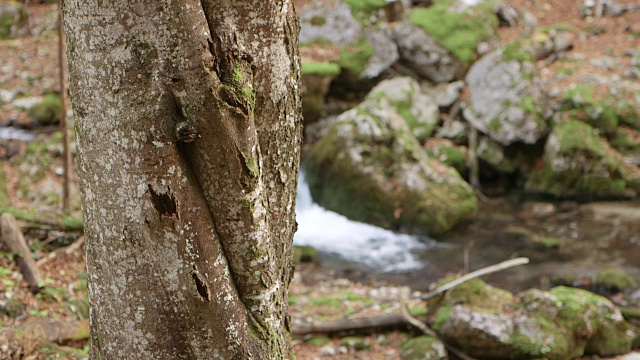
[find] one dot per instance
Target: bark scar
(164, 203)
(201, 286)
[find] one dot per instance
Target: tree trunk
(188, 134)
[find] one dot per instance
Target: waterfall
(335, 235)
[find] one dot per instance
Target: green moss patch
(48, 111)
(458, 32)
(354, 58)
(320, 68)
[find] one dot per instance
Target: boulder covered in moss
(448, 153)
(578, 163)
(365, 50)
(421, 54)
(423, 348)
(563, 323)
(418, 109)
(494, 155)
(371, 168)
(506, 101)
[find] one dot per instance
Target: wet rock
(420, 53)
(563, 323)
(578, 163)
(371, 168)
(506, 101)
(423, 348)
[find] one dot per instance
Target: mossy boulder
(578, 163)
(365, 51)
(458, 29)
(563, 323)
(371, 168)
(627, 142)
(423, 348)
(613, 280)
(494, 155)
(419, 110)
(601, 113)
(506, 101)
(448, 153)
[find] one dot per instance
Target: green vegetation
(9, 18)
(48, 111)
(318, 20)
(304, 253)
(580, 102)
(362, 9)
(355, 58)
(320, 68)
(613, 280)
(419, 348)
(519, 50)
(355, 342)
(318, 341)
(458, 32)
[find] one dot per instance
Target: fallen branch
(67, 250)
(484, 271)
(12, 236)
(332, 326)
(18, 341)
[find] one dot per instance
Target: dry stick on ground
(12, 236)
(484, 271)
(62, 251)
(427, 330)
(63, 114)
(25, 339)
(332, 326)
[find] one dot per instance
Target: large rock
(419, 110)
(420, 53)
(505, 100)
(366, 51)
(578, 163)
(563, 323)
(371, 168)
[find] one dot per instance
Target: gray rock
(446, 94)
(329, 20)
(563, 323)
(423, 348)
(385, 52)
(578, 163)
(419, 110)
(506, 101)
(420, 53)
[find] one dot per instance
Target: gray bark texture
(188, 131)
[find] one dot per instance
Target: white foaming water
(374, 247)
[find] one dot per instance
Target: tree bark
(188, 132)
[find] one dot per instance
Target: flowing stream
(592, 237)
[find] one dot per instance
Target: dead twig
(484, 271)
(12, 236)
(64, 251)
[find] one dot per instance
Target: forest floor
(29, 68)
